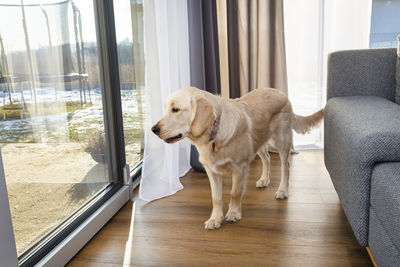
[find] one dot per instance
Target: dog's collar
(214, 128)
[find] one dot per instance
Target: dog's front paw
(262, 182)
(281, 194)
(233, 216)
(213, 223)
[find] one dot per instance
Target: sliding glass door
(61, 135)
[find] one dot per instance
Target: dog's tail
(303, 125)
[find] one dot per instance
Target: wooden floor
(308, 229)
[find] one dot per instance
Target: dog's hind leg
(265, 159)
(239, 179)
(283, 141)
(283, 145)
(283, 190)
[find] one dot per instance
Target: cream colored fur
(248, 125)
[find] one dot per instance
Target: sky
(12, 31)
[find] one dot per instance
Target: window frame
(8, 250)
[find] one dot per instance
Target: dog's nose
(156, 129)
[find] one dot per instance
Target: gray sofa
(362, 146)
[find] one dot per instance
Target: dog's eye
(175, 109)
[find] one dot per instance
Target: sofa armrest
(369, 72)
(360, 132)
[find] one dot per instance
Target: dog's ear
(202, 115)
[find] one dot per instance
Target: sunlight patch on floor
(129, 243)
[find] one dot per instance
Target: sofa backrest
(367, 72)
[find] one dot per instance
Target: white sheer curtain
(167, 69)
(313, 29)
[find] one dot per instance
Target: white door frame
(8, 251)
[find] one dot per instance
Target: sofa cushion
(397, 92)
(385, 198)
(359, 132)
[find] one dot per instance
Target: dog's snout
(156, 129)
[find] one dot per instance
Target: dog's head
(188, 113)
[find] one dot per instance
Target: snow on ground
(45, 126)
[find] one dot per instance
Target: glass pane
(129, 30)
(51, 115)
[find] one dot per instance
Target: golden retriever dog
(228, 133)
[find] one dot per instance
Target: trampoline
(37, 35)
